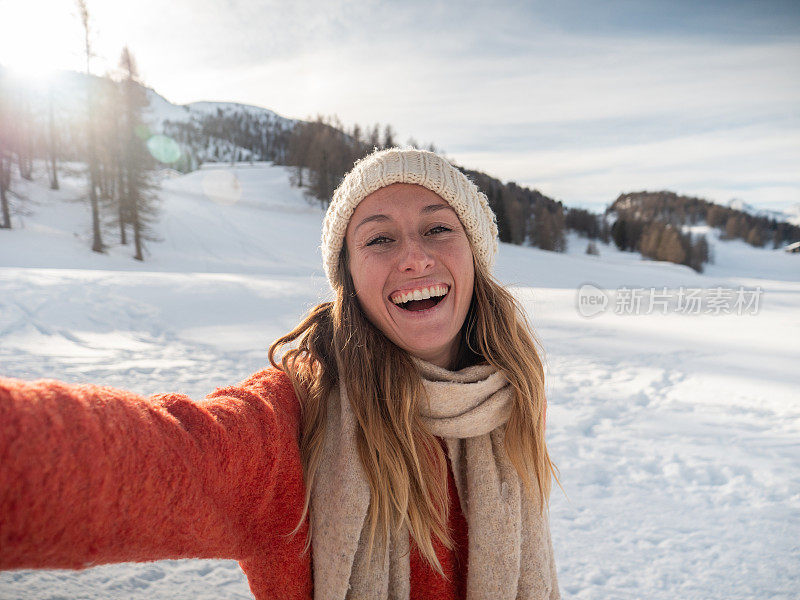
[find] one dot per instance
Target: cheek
(359, 268)
(368, 279)
(468, 288)
(466, 267)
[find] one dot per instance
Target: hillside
(676, 435)
(790, 215)
(736, 219)
(321, 151)
(214, 219)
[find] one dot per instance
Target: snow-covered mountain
(220, 131)
(790, 214)
(160, 111)
(205, 131)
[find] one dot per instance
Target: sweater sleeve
(92, 475)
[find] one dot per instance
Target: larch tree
(24, 126)
(5, 154)
(374, 138)
(108, 116)
(139, 202)
(543, 235)
(91, 154)
(299, 149)
(388, 137)
(52, 140)
(670, 247)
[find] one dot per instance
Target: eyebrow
(430, 208)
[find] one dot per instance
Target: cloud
(749, 162)
(581, 118)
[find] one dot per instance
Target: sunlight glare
(38, 37)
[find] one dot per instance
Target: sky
(580, 100)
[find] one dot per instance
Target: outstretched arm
(92, 475)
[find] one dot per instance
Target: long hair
(403, 462)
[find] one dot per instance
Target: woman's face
(404, 242)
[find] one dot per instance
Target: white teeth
(421, 294)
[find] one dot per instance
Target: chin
(424, 350)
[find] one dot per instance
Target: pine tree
(559, 239)
(619, 233)
(543, 230)
(498, 206)
(698, 253)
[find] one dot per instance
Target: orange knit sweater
(92, 475)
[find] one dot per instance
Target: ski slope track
(677, 435)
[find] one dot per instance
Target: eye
(440, 229)
(377, 241)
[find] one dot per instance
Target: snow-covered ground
(677, 434)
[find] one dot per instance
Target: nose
(414, 257)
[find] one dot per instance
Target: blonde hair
(403, 462)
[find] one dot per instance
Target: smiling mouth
(422, 303)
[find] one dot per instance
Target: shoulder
(274, 388)
(276, 385)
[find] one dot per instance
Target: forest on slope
(124, 132)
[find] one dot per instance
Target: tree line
(323, 150)
(106, 133)
(111, 138)
(661, 241)
(233, 135)
(524, 216)
(677, 210)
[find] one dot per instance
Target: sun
(38, 37)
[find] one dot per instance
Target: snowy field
(677, 434)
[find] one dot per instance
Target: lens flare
(222, 187)
(164, 149)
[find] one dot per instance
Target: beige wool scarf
(510, 551)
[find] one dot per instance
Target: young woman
(396, 450)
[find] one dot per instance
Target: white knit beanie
(395, 165)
